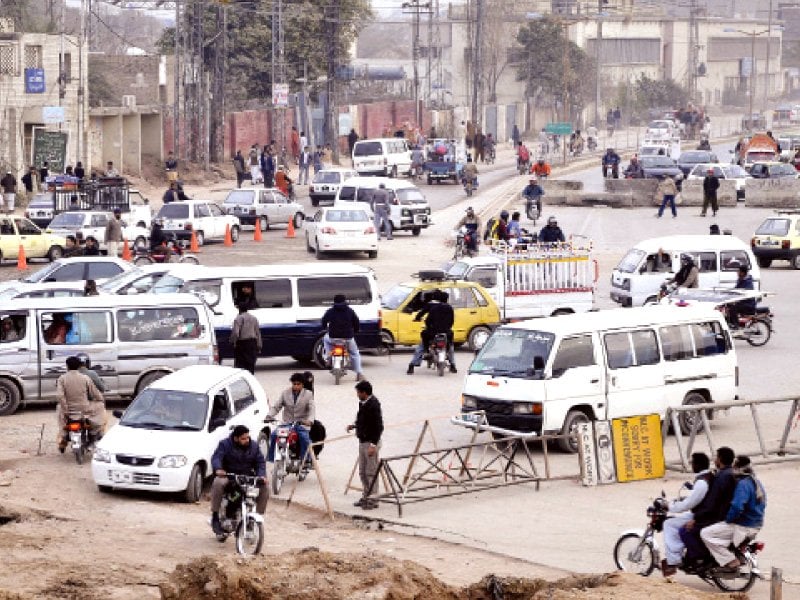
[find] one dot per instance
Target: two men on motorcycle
(610, 163)
(298, 407)
(439, 318)
(77, 395)
(237, 455)
(472, 224)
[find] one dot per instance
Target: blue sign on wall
(34, 81)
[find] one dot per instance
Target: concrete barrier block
(638, 188)
(560, 185)
(692, 193)
(773, 193)
(600, 199)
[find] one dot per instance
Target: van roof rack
(431, 275)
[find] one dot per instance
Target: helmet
(503, 214)
(85, 360)
(552, 221)
(541, 161)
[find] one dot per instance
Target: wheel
(9, 397)
(317, 354)
(298, 220)
(319, 253)
(140, 242)
(633, 555)
(372, 254)
(477, 337)
(142, 224)
(469, 191)
(140, 261)
(561, 311)
(387, 343)
(309, 249)
(571, 422)
(765, 262)
(757, 332)
(55, 253)
(278, 473)
(393, 172)
(415, 231)
(337, 376)
(314, 202)
(194, 487)
(440, 369)
(234, 234)
(200, 237)
(430, 180)
(796, 261)
(687, 420)
(742, 582)
(146, 380)
(78, 452)
(651, 301)
(189, 259)
(249, 537)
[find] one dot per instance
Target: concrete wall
(773, 193)
(152, 136)
(131, 145)
(130, 76)
(112, 142)
(692, 193)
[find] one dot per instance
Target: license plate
(419, 218)
(121, 476)
(768, 243)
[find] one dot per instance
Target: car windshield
(410, 196)
(167, 409)
(630, 261)
(368, 149)
(656, 161)
(120, 280)
(174, 211)
(42, 274)
(396, 296)
(327, 177)
(774, 227)
(760, 156)
(67, 220)
(346, 216)
(693, 157)
(512, 353)
(168, 284)
(240, 197)
(658, 125)
(457, 270)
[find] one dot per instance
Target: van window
(733, 259)
(706, 261)
(240, 197)
(630, 261)
(618, 350)
(573, 352)
(201, 210)
(77, 327)
(174, 210)
(273, 293)
(149, 324)
(676, 342)
(242, 395)
(487, 277)
(365, 195)
(634, 348)
(645, 347)
(12, 327)
(709, 339)
(368, 149)
(347, 192)
(409, 196)
(511, 352)
(319, 291)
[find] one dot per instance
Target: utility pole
(693, 42)
(752, 78)
(476, 64)
(598, 64)
(80, 154)
(416, 6)
(766, 63)
(177, 75)
(331, 118)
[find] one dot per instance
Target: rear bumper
(774, 253)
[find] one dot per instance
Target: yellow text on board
(638, 451)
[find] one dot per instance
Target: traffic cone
(193, 245)
(290, 229)
(22, 262)
(257, 232)
(126, 250)
(228, 238)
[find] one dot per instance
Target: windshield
(368, 149)
(67, 220)
(630, 261)
(167, 409)
(174, 211)
(396, 296)
(168, 284)
(458, 270)
(120, 280)
(41, 273)
(657, 161)
(658, 125)
(774, 227)
(410, 196)
(326, 177)
(693, 157)
(760, 156)
(240, 197)
(511, 352)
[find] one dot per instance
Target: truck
(534, 280)
(440, 166)
(103, 194)
(759, 148)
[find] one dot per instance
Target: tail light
(292, 437)
(187, 226)
(369, 230)
(758, 546)
(338, 351)
(440, 344)
(380, 320)
(74, 426)
(216, 354)
(786, 244)
(328, 230)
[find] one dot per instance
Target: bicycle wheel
(633, 554)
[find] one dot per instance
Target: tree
(497, 38)
(651, 93)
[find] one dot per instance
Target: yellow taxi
(16, 230)
(476, 314)
(778, 238)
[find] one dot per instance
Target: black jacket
(369, 421)
(341, 321)
(550, 235)
(240, 461)
(439, 317)
(714, 506)
(710, 185)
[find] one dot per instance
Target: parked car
(773, 170)
(723, 171)
(37, 290)
(16, 231)
(142, 279)
(206, 219)
(40, 209)
(85, 223)
(341, 229)
(657, 167)
(326, 184)
(271, 205)
(689, 159)
(778, 238)
(76, 270)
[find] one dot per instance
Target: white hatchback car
(270, 205)
(206, 219)
(341, 229)
(164, 440)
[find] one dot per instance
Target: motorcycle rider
(576, 143)
(342, 322)
(688, 275)
(78, 395)
(611, 161)
(472, 223)
(541, 169)
(682, 510)
(591, 137)
(470, 172)
(439, 318)
(417, 160)
(744, 519)
(488, 148)
(523, 156)
(157, 235)
(238, 455)
(634, 169)
(298, 407)
(533, 193)
(744, 281)
(551, 233)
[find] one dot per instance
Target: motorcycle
(464, 239)
(488, 155)
(532, 210)
(81, 436)
(637, 551)
(145, 256)
(437, 354)
(238, 515)
(591, 144)
(755, 329)
(340, 359)
(523, 166)
(287, 456)
(469, 185)
(611, 171)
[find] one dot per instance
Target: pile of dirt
(313, 575)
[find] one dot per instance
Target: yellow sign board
(638, 449)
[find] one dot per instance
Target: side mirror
(216, 424)
(117, 413)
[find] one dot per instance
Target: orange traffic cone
(228, 238)
(257, 232)
(22, 262)
(193, 245)
(126, 250)
(290, 229)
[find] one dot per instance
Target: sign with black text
(638, 449)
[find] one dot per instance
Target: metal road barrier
(782, 453)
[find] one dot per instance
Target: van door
(68, 333)
(708, 263)
(576, 378)
(245, 411)
(635, 373)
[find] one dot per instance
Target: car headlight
(469, 402)
(527, 408)
(172, 462)
(102, 455)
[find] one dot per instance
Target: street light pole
(766, 67)
(752, 77)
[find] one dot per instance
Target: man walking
(114, 233)
(238, 165)
(255, 167)
(710, 187)
(29, 181)
(305, 163)
(245, 339)
(667, 190)
(9, 185)
(369, 429)
(380, 205)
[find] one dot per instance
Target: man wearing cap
(473, 224)
(340, 321)
(114, 233)
(551, 233)
(710, 187)
(9, 185)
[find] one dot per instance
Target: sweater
(369, 421)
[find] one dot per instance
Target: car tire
(55, 253)
(10, 397)
(319, 253)
(685, 420)
(796, 261)
(309, 248)
(316, 353)
(386, 344)
(393, 172)
(194, 487)
(415, 231)
(105, 489)
(372, 253)
(234, 234)
(571, 421)
(298, 220)
(477, 337)
(200, 237)
(430, 180)
(764, 263)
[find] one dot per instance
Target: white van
(548, 375)
(132, 341)
(408, 208)
(289, 303)
(382, 156)
(637, 278)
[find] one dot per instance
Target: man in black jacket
(239, 455)
(710, 187)
(369, 428)
(342, 322)
(439, 318)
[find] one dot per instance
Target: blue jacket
(341, 321)
(747, 508)
(241, 461)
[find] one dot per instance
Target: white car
(327, 182)
(341, 229)
(85, 223)
(270, 204)
(662, 129)
(206, 219)
(69, 272)
(142, 279)
(723, 171)
(164, 440)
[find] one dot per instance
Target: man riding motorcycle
(743, 307)
(523, 156)
(470, 172)
(533, 193)
(688, 275)
(611, 161)
(298, 407)
(439, 319)
(77, 395)
(634, 169)
(541, 169)
(473, 225)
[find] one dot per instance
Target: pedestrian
(114, 233)
(171, 167)
(269, 180)
(515, 137)
(80, 172)
(317, 159)
(617, 118)
(352, 138)
(667, 190)
(111, 171)
(262, 163)
(90, 289)
(68, 171)
(369, 429)
(171, 195)
(44, 173)
(710, 187)
(91, 247)
(303, 139)
(255, 167)
(9, 185)
(238, 165)
(245, 339)
(380, 204)
(478, 141)
(29, 180)
(295, 144)
(305, 165)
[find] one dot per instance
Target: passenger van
(637, 278)
(289, 301)
(548, 375)
(132, 341)
(408, 208)
(382, 156)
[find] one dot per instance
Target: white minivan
(408, 208)
(548, 375)
(382, 156)
(637, 278)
